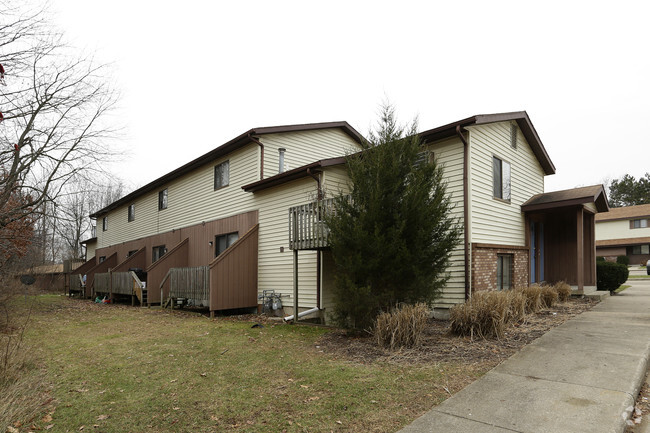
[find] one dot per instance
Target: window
(162, 199)
(131, 212)
(221, 174)
(157, 253)
(130, 253)
(102, 258)
(504, 271)
(423, 157)
(104, 223)
(222, 242)
(501, 178)
(640, 224)
(641, 249)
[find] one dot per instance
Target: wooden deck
(307, 228)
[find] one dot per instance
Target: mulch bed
(439, 345)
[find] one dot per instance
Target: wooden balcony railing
(189, 283)
(307, 227)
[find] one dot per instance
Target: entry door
(536, 252)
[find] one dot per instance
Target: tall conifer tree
(392, 236)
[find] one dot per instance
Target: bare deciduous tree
(53, 104)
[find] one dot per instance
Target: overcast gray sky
(195, 74)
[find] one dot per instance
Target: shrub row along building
(244, 221)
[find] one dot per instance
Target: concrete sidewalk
(579, 377)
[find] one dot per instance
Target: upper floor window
(162, 199)
(501, 179)
(131, 212)
(221, 175)
(102, 259)
(424, 157)
(222, 242)
(640, 224)
(105, 223)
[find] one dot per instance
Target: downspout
(259, 143)
(318, 253)
(317, 179)
(465, 210)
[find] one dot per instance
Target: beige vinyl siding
(191, 199)
(494, 221)
(304, 148)
(619, 229)
(90, 250)
(276, 267)
(335, 181)
(449, 154)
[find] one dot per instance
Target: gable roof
(568, 197)
(230, 146)
(627, 212)
(523, 121)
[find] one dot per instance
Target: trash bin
(142, 275)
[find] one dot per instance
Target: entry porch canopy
(560, 234)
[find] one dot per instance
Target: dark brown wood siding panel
(201, 253)
(99, 268)
(175, 257)
(560, 247)
(137, 260)
(233, 275)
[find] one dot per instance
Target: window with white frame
(504, 271)
(104, 223)
(501, 179)
(221, 175)
(131, 212)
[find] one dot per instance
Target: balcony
(307, 227)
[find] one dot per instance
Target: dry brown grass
(402, 327)
(23, 390)
(533, 296)
(548, 296)
(486, 315)
(563, 291)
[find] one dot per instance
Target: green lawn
(122, 369)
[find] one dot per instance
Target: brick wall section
(484, 265)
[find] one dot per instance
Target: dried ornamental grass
(549, 296)
(533, 298)
(402, 327)
(563, 290)
(517, 303)
(485, 315)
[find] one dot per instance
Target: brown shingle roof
(622, 242)
(568, 197)
(622, 213)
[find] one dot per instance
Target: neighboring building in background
(624, 231)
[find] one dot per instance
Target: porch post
(295, 286)
(580, 240)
